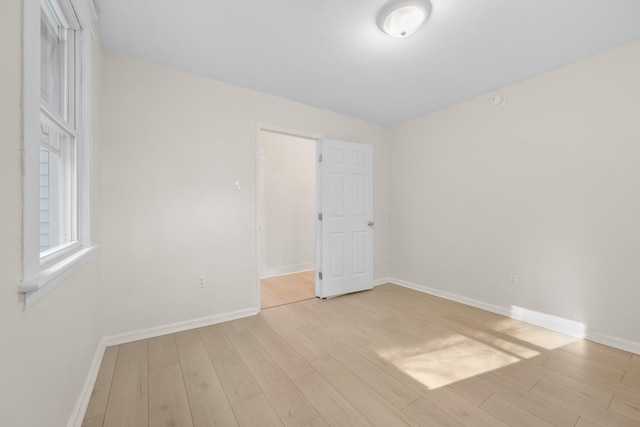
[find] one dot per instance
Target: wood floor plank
(355, 336)
(293, 364)
(443, 357)
(379, 411)
(318, 422)
(287, 288)
(386, 385)
(333, 407)
(584, 422)
(581, 406)
(207, 399)
(598, 352)
(233, 374)
(301, 314)
(497, 340)
(96, 421)
(371, 312)
(162, 351)
(585, 366)
(579, 374)
(511, 414)
(168, 403)
(387, 304)
(426, 414)
(579, 388)
(462, 410)
(626, 408)
(508, 388)
(191, 336)
(521, 373)
(256, 412)
(128, 404)
(377, 356)
(102, 387)
(632, 380)
(234, 327)
(296, 339)
(473, 391)
(292, 408)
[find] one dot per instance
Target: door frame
(265, 127)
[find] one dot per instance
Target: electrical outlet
(202, 281)
(514, 280)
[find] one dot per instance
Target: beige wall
(46, 351)
(288, 204)
(174, 144)
(545, 186)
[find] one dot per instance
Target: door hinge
(320, 158)
(320, 275)
(320, 217)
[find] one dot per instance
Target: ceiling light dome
(401, 18)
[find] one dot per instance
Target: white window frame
(43, 271)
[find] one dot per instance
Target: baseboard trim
(452, 297)
(292, 269)
(80, 408)
(178, 327)
(559, 324)
(382, 281)
(555, 323)
(611, 341)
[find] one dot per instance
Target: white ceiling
(331, 54)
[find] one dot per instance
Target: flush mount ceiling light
(401, 18)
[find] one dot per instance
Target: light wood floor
(286, 289)
(386, 357)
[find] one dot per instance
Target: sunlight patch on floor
(462, 358)
(457, 355)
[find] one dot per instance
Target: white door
(345, 226)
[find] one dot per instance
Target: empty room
(441, 196)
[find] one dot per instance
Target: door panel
(345, 255)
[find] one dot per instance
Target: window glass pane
(51, 229)
(52, 69)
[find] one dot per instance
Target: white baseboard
(178, 327)
(555, 323)
(80, 408)
(290, 269)
(453, 297)
(559, 324)
(382, 281)
(621, 343)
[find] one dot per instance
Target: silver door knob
(370, 223)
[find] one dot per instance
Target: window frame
(42, 271)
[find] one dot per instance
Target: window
(56, 145)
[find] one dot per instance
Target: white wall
(46, 351)
(174, 144)
(288, 194)
(545, 186)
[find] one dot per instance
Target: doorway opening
(287, 217)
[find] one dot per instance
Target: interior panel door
(345, 247)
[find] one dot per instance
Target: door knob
(370, 223)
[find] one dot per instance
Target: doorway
(287, 217)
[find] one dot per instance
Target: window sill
(38, 285)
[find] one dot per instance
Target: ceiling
(330, 53)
